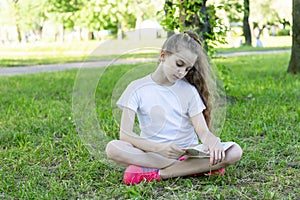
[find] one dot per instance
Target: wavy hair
(199, 76)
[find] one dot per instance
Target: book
(201, 150)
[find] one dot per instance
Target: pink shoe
(135, 174)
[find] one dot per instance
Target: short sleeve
(196, 105)
(129, 98)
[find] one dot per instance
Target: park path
(11, 71)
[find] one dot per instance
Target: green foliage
(97, 15)
(64, 11)
(234, 10)
(197, 16)
(94, 15)
(283, 32)
(27, 14)
(65, 6)
(225, 76)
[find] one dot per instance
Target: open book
(201, 151)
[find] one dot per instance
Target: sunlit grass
(49, 53)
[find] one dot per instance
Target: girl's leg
(126, 154)
(195, 165)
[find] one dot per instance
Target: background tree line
(206, 16)
(93, 15)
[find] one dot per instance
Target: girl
(173, 106)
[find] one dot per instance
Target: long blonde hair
(199, 75)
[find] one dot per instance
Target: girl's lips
(176, 77)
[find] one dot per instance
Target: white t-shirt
(164, 112)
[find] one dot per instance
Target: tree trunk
(202, 27)
(39, 33)
(120, 31)
(19, 34)
(205, 25)
(61, 33)
(246, 26)
(138, 24)
(16, 13)
(294, 65)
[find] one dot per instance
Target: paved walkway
(11, 71)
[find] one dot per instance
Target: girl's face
(177, 65)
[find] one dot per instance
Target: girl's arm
(214, 144)
(168, 150)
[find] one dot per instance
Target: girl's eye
(179, 63)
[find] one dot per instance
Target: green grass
(63, 57)
(74, 46)
(11, 61)
(42, 156)
(250, 48)
(49, 53)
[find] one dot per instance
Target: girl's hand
(169, 150)
(213, 143)
(217, 153)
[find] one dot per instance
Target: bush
(283, 32)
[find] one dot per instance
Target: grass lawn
(49, 53)
(42, 156)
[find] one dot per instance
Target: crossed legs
(126, 154)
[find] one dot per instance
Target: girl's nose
(181, 71)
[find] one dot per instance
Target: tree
(233, 10)
(246, 26)
(12, 12)
(197, 15)
(64, 12)
(97, 15)
(33, 16)
(294, 65)
(168, 5)
(263, 12)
